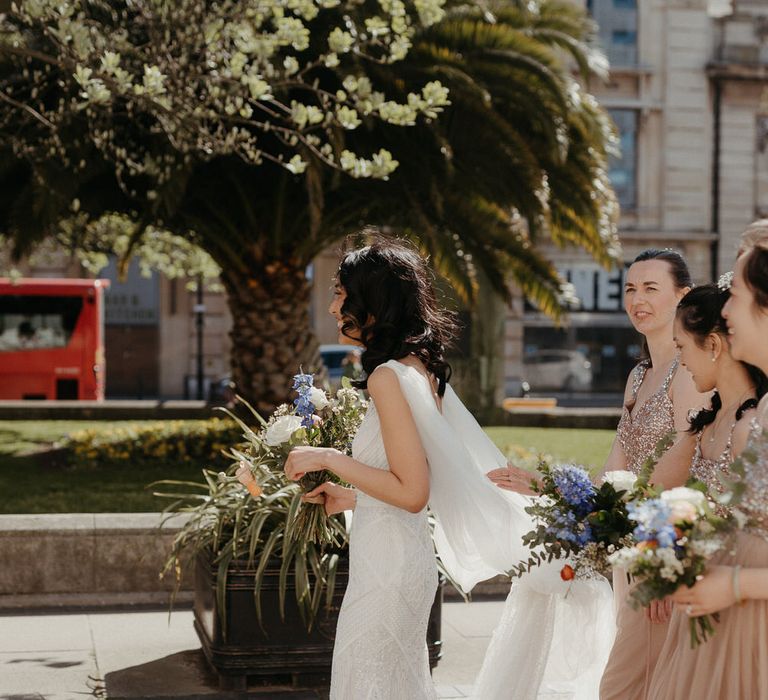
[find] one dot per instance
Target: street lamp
(199, 309)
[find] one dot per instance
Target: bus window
(36, 322)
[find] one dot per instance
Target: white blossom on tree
(162, 83)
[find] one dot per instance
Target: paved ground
(84, 654)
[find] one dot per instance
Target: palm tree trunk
(271, 334)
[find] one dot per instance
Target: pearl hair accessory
(725, 281)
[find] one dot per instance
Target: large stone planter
(287, 654)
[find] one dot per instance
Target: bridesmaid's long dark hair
(700, 313)
(391, 302)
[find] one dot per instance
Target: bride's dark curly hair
(391, 302)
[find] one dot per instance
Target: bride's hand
(335, 498)
(307, 459)
(511, 478)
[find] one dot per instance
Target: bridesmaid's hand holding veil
(511, 478)
(336, 498)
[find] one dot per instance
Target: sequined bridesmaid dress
(733, 664)
(638, 641)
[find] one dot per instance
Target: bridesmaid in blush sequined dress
(733, 664)
(657, 401)
(721, 429)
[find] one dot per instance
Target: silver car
(562, 370)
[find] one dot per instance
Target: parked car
(516, 388)
(341, 360)
(562, 370)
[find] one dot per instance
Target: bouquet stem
(311, 522)
(702, 628)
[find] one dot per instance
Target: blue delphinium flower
(652, 518)
(566, 528)
(653, 514)
(666, 536)
(575, 487)
(303, 384)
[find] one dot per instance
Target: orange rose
(567, 573)
(650, 544)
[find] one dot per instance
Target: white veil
(554, 637)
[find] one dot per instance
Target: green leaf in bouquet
(253, 411)
(317, 592)
(247, 431)
(290, 519)
(646, 470)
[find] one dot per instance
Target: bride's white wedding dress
(554, 638)
(380, 651)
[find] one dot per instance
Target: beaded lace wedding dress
(556, 636)
(380, 651)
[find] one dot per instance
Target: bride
(419, 445)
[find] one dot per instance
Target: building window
(622, 37)
(623, 170)
(617, 29)
(761, 169)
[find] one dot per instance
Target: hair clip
(725, 281)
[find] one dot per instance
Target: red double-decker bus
(52, 338)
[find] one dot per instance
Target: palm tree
(519, 158)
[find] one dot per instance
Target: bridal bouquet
(578, 520)
(584, 522)
(317, 420)
(676, 535)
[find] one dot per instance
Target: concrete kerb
(107, 560)
(558, 417)
(87, 560)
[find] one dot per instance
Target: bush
(178, 442)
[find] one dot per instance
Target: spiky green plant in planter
(233, 525)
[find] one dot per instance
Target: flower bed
(193, 442)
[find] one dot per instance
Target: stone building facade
(688, 92)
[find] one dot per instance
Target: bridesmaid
(722, 429)
(733, 664)
(657, 401)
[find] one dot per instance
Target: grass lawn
(587, 447)
(32, 481)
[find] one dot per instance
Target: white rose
(621, 480)
(685, 503)
(318, 398)
(281, 430)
